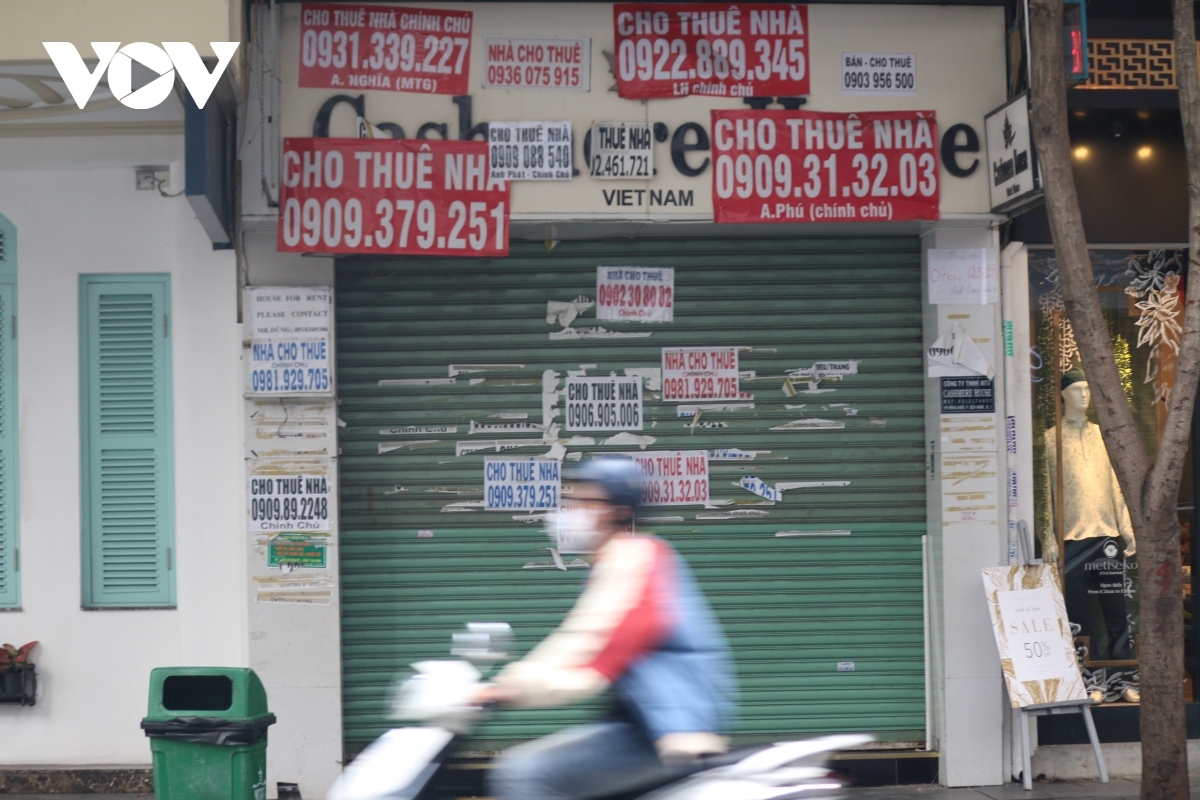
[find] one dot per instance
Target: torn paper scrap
(813, 533)
(387, 447)
(595, 333)
(496, 446)
(509, 415)
(758, 486)
(660, 519)
(783, 487)
(642, 442)
(563, 313)
(734, 513)
(463, 505)
(417, 381)
(464, 369)
(735, 454)
(651, 375)
(504, 427)
(955, 354)
(813, 424)
(691, 411)
(418, 430)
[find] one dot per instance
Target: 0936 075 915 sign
(391, 196)
(810, 166)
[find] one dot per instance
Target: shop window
(1081, 516)
(10, 545)
(127, 441)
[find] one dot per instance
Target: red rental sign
(391, 197)
(392, 48)
(719, 49)
(813, 166)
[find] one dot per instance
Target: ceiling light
(1081, 153)
(1144, 152)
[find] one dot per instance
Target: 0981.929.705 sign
(391, 197)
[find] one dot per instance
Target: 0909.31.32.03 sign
(809, 166)
(391, 196)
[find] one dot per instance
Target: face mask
(575, 529)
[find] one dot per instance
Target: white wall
(94, 665)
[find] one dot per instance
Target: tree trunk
(1151, 489)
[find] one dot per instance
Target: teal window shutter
(128, 441)
(10, 553)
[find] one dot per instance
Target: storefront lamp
(1144, 153)
(1081, 153)
(1075, 40)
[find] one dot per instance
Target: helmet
(618, 477)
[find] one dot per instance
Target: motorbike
(401, 764)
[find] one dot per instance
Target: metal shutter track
(793, 607)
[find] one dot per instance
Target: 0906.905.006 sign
(811, 166)
(391, 196)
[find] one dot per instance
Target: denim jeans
(580, 763)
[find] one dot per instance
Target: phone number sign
(718, 49)
(810, 166)
(391, 196)
(521, 484)
(391, 48)
(699, 373)
(673, 477)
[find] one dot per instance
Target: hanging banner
(699, 373)
(673, 477)
(622, 150)
(392, 48)
(810, 166)
(290, 340)
(635, 294)
(530, 151)
(718, 49)
(538, 62)
(521, 484)
(390, 197)
(604, 404)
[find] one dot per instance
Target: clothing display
(1092, 503)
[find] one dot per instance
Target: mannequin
(1097, 534)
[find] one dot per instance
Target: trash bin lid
(233, 693)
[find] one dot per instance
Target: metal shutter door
(793, 607)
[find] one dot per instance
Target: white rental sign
(699, 373)
(604, 404)
(290, 495)
(622, 150)
(964, 276)
(538, 62)
(521, 484)
(530, 151)
(879, 73)
(635, 294)
(290, 341)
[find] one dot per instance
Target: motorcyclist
(640, 631)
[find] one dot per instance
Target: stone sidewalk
(1076, 790)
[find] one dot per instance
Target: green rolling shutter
(416, 563)
(127, 448)
(10, 575)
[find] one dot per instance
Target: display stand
(1063, 707)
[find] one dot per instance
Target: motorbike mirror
(483, 642)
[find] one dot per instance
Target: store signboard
(390, 48)
(391, 197)
(1014, 178)
(291, 341)
(635, 294)
(720, 49)
(811, 166)
(673, 477)
(530, 151)
(610, 403)
(622, 150)
(699, 373)
(538, 62)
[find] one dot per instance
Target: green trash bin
(208, 733)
